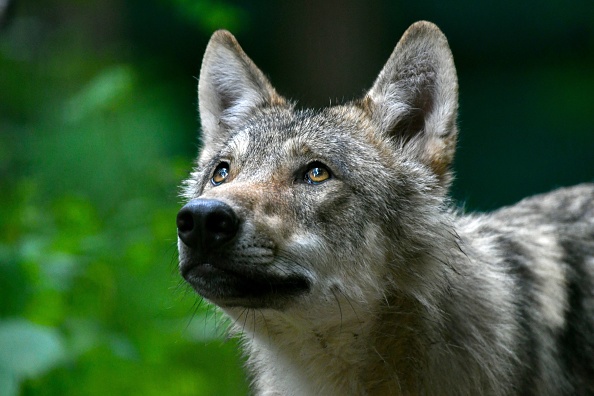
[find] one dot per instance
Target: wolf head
(287, 205)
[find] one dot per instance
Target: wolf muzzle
(228, 266)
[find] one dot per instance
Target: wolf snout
(206, 224)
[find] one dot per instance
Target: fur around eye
(317, 173)
(220, 174)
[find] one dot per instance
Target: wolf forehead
(281, 134)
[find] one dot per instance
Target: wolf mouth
(243, 286)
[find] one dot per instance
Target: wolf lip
(191, 271)
(245, 286)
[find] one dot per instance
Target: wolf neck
(400, 344)
(348, 357)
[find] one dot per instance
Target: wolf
(328, 239)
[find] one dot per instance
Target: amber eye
(220, 174)
(317, 173)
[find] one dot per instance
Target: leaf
(27, 349)
(8, 384)
(104, 91)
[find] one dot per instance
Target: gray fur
(369, 283)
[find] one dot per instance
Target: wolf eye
(317, 173)
(220, 174)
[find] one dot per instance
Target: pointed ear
(415, 97)
(230, 88)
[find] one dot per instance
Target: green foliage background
(98, 126)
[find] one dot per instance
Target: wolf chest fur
(329, 240)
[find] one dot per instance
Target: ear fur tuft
(230, 88)
(415, 97)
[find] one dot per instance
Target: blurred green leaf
(27, 350)
(211, 15)
(105, 91)
(9, 385)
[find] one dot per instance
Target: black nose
(206, 224)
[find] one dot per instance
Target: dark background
(98, 126)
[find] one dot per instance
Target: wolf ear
(415, 97)
(230, 88)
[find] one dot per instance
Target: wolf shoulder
(550, 230)
(542, 250)
(538, 236)
(555, 227)
(562, 209)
